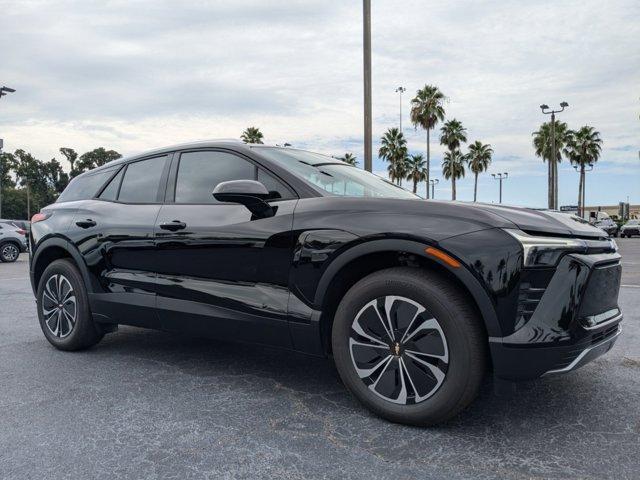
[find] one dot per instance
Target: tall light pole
(583, 184)
(500, 177)
(553, 164)
(3, 91)
(368, 146)
(433, 182)
(401, 90)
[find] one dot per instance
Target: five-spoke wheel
(63, 308)
(398, 349)
(409, 345)
(59, 306)
(9, 252)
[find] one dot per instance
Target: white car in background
(13, 242)
(632, 227)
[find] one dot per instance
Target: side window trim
(170, 197)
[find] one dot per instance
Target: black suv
(414, 300)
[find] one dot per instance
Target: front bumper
(565, 323)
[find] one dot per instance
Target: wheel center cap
(396, 349)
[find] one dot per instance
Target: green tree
(56, 178)
(542, 143)
(453, 134)
(394, 150)
(453, 168)
(583, 148)
(7, 165)
(416, 170)
(350, 159)
(30, 175)
(479, 159)
(252, 135)
(427, 109)
(71, 155)
(93, 159)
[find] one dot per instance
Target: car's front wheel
(9, 252)
(63, 308)
(409, 346)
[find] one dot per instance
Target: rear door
(221, 272)
(114, 233)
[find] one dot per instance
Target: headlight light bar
(546, 251)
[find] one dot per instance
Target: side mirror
(250, 193)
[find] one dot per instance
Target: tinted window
(276, 188)
(200, 172)
(141, 181)
(85, 186)
(111, 190)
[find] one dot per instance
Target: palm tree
(350, 159)
(453, 168)
(479, 158)
(394, 151)
(426, 111)
(542, 144)
(416, 170)
(453, 134)
(583, 148)
(252, 135)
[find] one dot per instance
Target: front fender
(416, 247)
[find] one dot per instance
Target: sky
(132, 76)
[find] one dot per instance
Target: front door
(220, 272)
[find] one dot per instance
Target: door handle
(88, 223)
(173, 226)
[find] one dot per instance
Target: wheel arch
(54, 249)
(374, 255)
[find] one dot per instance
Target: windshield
(333, 176)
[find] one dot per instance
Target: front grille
(601, 293)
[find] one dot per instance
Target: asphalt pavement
(147, 404)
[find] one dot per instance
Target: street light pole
(582, 170)
(401, 90)
(368, 146)
(500, 177)
(3, 91)
(433, 182)
(553, 163)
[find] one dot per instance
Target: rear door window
(141, 181)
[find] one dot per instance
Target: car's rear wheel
(63, 308)
(9, 252)
(409, 346)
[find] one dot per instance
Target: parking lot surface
(147, 404)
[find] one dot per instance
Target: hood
(544, 221)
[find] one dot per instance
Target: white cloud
(137, 75)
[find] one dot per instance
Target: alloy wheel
(59, 306)
(399, 350)
(10, 252)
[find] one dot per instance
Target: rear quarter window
(85, 186)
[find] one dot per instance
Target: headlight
(546, 251)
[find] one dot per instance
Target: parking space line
(14, 278)
(631, 286)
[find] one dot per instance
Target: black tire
(465, 344)
(9, 252)
(83, 332)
